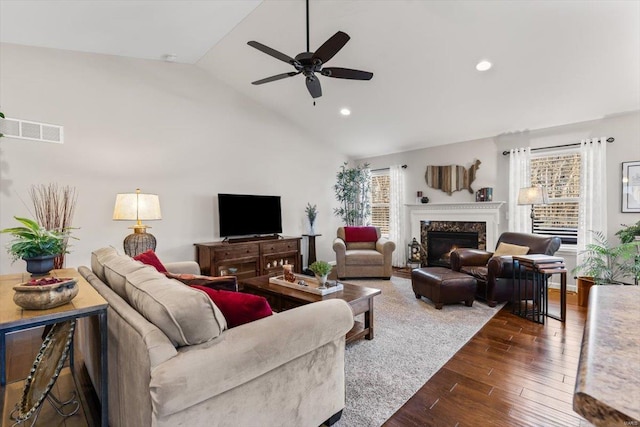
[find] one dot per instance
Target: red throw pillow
(149, 257)
(360, 234)
(238, 308)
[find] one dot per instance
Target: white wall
(166, 128)
(493, 171)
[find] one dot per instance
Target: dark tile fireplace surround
(439, 238)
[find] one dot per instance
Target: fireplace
(440, 244)
(438, 239)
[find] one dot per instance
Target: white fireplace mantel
(490, 213)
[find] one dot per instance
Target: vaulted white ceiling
(555, 62)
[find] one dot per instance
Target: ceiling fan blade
(313, 85)
(346, 73)
(276, 77)
(331, 47)
(272, 52)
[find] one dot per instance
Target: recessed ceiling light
(345, 111)
(483, 65)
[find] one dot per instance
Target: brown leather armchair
(495, 274)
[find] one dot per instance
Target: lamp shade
(533, 196)
(136, 206)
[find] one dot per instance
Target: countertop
(608, 381)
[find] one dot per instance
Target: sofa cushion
(364, 257)
(187, 316)
(116, 270)
(150, 258)
(505, 249)
(99, 257)
(479, 272)
(360, 234)
(238, 308)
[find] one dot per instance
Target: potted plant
(321, 269)
(352, 192)
(606, 264)
(312, 213)
(36, 245)
(629, 233)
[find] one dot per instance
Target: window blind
(560, 175)
(380, 193)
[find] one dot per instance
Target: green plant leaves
(607, 264)
(321, 268)
(353, 189)
(32, 240)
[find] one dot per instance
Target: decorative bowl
(45, 293)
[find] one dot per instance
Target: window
(560, 175)
(380, 186)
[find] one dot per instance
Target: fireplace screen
(440, 244)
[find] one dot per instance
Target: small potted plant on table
(36, 245)
(321, 269)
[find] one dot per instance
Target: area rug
(412, 341)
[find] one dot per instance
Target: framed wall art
(631, 186)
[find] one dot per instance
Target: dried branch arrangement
(54, 207)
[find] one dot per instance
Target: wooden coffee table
(281, 298)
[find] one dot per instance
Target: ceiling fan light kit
(309, 63)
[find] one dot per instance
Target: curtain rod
(386, 169)
(609, 140)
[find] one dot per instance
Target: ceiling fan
(309, 63)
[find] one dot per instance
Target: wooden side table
(88, 302)
(312, 247)
(535, 270)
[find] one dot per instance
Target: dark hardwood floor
(513, 372)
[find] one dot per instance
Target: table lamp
(533, 196)
(137, 207)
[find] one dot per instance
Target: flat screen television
(249, 215)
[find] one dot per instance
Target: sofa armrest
(385, 246)
(464, 257)
(183, 267)
(500, 266)
(340, 247)
(246, 352)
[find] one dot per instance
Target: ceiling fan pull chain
(308, 27)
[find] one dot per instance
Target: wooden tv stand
(250, 258)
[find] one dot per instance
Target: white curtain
(592, 215)
(396, 214)
(519, 177)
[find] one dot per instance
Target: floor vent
(33, 131)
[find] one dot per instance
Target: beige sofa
(363, 259)
(186, 368)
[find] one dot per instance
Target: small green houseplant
(629, 233)
(35, 244)
(312, 213)
(321, 269)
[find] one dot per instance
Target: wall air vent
(24, 129)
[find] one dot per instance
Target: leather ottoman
(443, 286)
